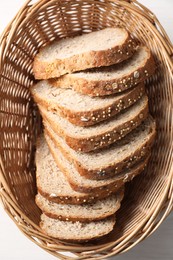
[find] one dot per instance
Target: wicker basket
(150, 196)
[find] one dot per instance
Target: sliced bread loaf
(76, 231)
(84, 213)
(108, 162)
(81, 184)
(87, 139)
(100, 48)
(81, 109)
(108, 80)
(54, 185)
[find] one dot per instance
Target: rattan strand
(149, 198)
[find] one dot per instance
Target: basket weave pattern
(149, 198)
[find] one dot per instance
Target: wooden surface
(158, 246)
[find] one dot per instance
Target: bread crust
(91, 197)
(83, 218)
(106, 87)
(112, 186)
(93, 116)
(110, 170)
(113, 218)
(78, 62)
(97, 141)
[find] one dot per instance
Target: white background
(15, 246)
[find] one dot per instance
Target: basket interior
(21, 123)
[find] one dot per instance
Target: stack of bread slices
(98, 132)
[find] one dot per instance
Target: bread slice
(80, 109)
(83, 213)
(54, 185)
(87, 139)
(108, 80)
(76, 231)
(110, 161)
(81, 184)
(100, 48)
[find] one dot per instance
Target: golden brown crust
(120, 196)
(85, 198)
(94, 116)
(108, 188)
(47, 70)
(92, 197)
(98, 141)
(54, 216)
(105, 87)
(110, 170)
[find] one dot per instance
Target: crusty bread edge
(83, 240)
(119, 195)
(108, 188)
(110, 170)
(92, 117)
(97, 141)
(58, 67)
(107, 87)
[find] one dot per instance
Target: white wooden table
(15, 246)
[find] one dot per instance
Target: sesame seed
(114, 85)
(53, 195)
(84, 119)
(136, 74)
(67, 219)
(141, 116)
(84, 200)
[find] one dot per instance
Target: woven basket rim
(150, 224)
